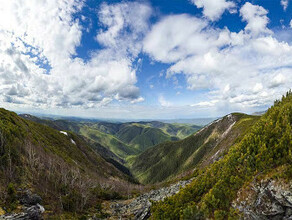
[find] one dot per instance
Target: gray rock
(267, 200)
(140, 206)
(29, 213)
(28, 198)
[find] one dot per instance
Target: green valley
(123, 139)
(168, 159)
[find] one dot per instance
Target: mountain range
(236, 166)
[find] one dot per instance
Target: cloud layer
(39, 65)
(45, 34)
(242, 70)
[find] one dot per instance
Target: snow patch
(64, 132)
(72, 141)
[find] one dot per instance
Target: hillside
(252, 180)
(137, 135)
(119, 148)
(174, 129)
(142, 137)
(59, 166)
(122, 139)
(169, 159)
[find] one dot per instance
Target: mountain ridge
(164, 161)
(236, 185)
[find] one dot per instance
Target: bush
(11, 200)
(267, 146)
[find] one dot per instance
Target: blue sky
(154, 59)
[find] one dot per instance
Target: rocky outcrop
(139, 208)
(28, 213)
(31, 209)
(28, 198)
(268, 199)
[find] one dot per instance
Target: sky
(151, 59)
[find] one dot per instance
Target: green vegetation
(142, 137)
(109, 141)
(123, 139)
(61, 168)
(266, 147)
(169, 159)
(127, 139)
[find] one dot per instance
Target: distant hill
(259, 113)
(123, 139)
(168, 159)
(191, 121)
(118, 147)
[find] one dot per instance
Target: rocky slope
(266, 199)
(139, 208)
(29, 208)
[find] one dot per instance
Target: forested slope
(169, 159)
(263, 154)
(60, 167)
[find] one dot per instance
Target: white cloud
(140, 99)
(163, 102)
(36, 33)
(256, 18)
(205, 104)
(125, 25)
(213, 9)
(185, 35)
(285, 4)
(242, 70)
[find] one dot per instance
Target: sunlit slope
(142, 137)
(111, 142)
(169, 159)
(123, 139)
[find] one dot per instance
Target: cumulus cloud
(213, 9)
(244, 69)
(285, 4)
(256, 18)
(185, 35)
(43, 34)
(124, 26)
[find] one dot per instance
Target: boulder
(140, 206)
(29, 199)
(268, 199)
(28, 213)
